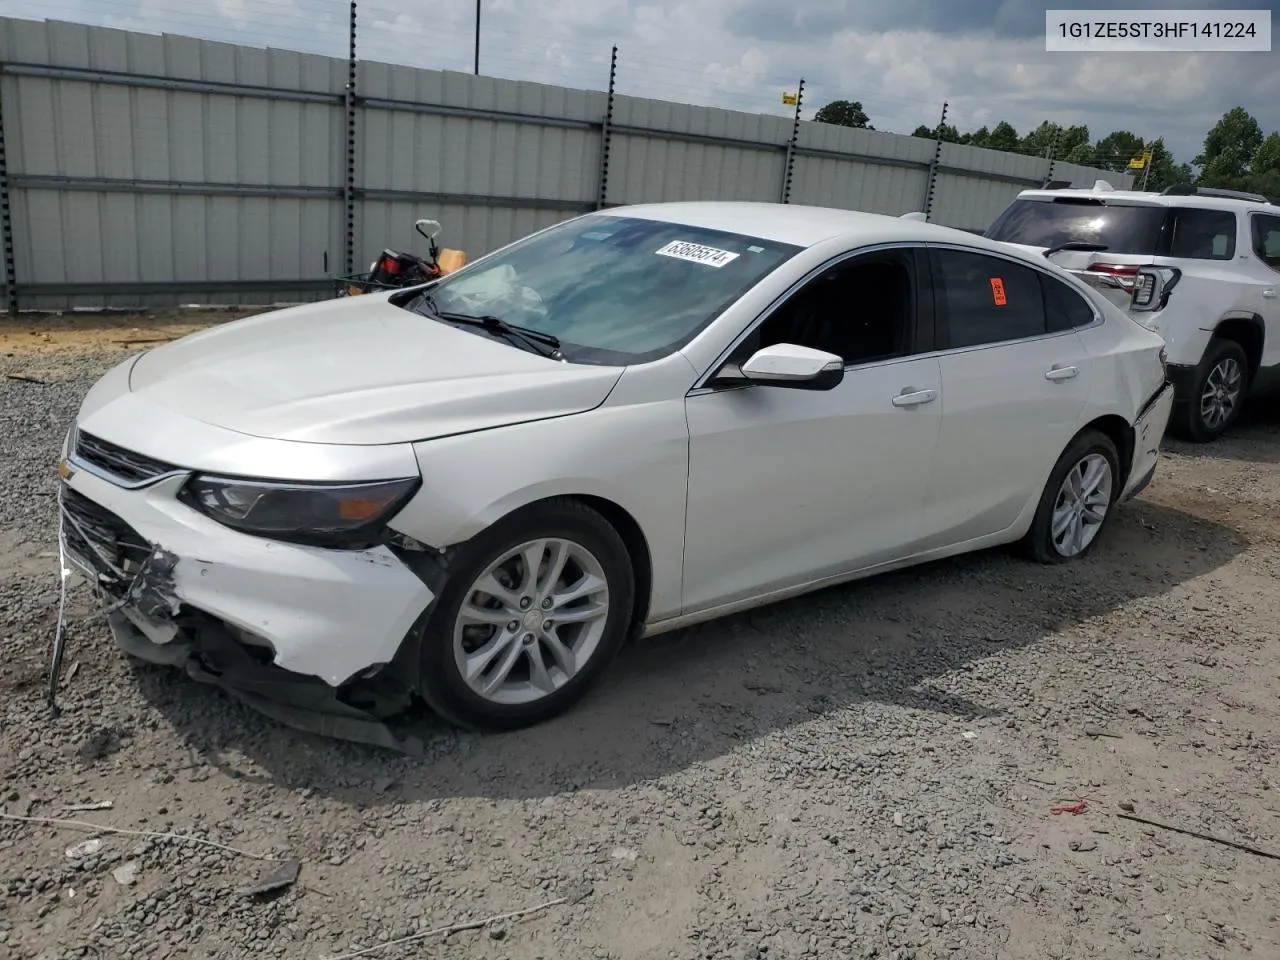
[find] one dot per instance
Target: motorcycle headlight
(345, 516)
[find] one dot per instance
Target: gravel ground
(865, 772)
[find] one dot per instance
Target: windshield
(613, 290)
(1123, 229)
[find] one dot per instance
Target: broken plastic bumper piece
(302, 634)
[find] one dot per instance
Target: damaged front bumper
(309, 636)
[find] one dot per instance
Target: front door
(787, 486)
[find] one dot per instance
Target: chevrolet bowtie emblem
(65, 470)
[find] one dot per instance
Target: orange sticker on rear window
(997, 292)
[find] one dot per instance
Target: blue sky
(901, 58)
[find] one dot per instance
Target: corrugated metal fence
(152, 170)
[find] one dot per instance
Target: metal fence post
(349, 185)
(6, 221)
(931, 186)
(1053, 151)
(606, 133)
(789, 168)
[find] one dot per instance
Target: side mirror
(791, 365)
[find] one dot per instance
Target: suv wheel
(1217, 393)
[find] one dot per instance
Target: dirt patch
(69, 334)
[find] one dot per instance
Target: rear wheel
(1077, 501)
(535, 607)
(1217, 392)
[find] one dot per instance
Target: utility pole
(477, 38)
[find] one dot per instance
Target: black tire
(441, 683)
(1038, 544)
(1188, 421)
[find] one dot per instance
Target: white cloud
(742, 53)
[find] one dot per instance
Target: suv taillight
(1152, 287)
(1123, 272)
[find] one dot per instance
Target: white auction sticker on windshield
(697, 253)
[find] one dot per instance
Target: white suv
(1201, 267)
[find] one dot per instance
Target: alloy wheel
(1081, 506)
(1221, 393)
(531, 621)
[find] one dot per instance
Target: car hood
(360, 370)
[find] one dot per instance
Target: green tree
(1003, 137)
(1229, 150)
(1265, 167)
(1082, 154)
(1116, 149)
(944, 132)
(1048, 135)
(844, 113)
(979, 138)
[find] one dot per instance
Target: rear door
(1015, 382)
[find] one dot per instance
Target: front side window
(1202, 234)
(863, 310)
(613, 290)
(985, 299)
(1266, 239)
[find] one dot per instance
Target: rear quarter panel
(1126, 360)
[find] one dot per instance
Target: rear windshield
(1122, 228)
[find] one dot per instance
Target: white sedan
(474, 491)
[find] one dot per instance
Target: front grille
(99, 538)
(125, 466)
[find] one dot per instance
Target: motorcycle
(394, 270)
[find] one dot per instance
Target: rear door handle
(1061, 373)
(913, 398)
(1269, 292)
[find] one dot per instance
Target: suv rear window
(1122, 228)
(1203, 234)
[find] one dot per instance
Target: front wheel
(1077, 501)
(535, 607)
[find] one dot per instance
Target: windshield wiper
(1082, 245)
(543, 344)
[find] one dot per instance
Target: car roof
(800, 225)
(1202, 201)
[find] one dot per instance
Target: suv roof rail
(1191, 190)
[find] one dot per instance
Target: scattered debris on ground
(865, 772)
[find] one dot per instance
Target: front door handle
(913, 398)
(1061, 373)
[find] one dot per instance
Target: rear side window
(1122, 228)
(1202, 234)
(1064, 309)
(986, 299)
(1266, 239)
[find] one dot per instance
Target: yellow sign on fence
(1137, 163)
(790, 99)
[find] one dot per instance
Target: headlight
(349, 516)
